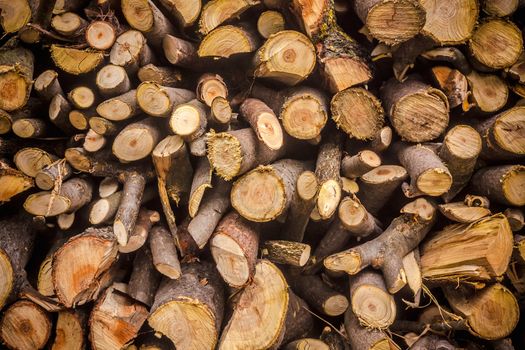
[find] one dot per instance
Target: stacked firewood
(262, 174)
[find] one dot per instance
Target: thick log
(16, 76)
(487, 258)
(71, 331)
(228, 40)
(202, 317)
(94, 251)
(503, 184)
(216, 12)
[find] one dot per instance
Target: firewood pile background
(262, 174)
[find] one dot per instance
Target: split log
(371, 303)
(287, 57)
(357, 112)
(70, 196)
(327, 172)
(444, 258)
(453, 26)
(202, 318)
(496, 44)
(25, 325)
(174, 172)
(115, 319)
(158, 101)
(502, 135)
(267, 191)
(164, 253)
(93, 251)
(16, 15)
(359, 164)
(76, 61)
(144, 280)
(15, 250)
(70, 330)
(317, 294)
(453, 83)
(12, 182)
(234, 247)
(459, 151)
(491, 313)
(428, 175)
(418, 112)
(131, 51)
(216, 12)
(270, 22)
(145, 16)
(415, 222)
(306, 189)
(391, 22)
(303, 110)
(286, 252)
(226, 41)
(503, 184)
(459, 212)
(16, 76)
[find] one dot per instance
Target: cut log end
(266, 295)
(221, 110)
(209, 87)
(303, 116)
(496, 44)
(307, 185)
(15, 15)
(230, 259)
(287, 57)
(76, 61)
(513, 185)
(453, 25)
(357, 112)
(7, 277)
(100, 35)
(431, 106)
(259, 195)
(153, 99)
(14, 89)
(509, 131)
(395, 22)
(82, 97)
(138, 14)
(434, 182)
(374, 306)
(226, 41)
(69, 331)
(224, 153)
(463, 142)
(270, 22)
(25, 326)
(328, 198)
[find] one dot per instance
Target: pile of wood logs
(262, 174)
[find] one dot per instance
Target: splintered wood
(262, 174)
